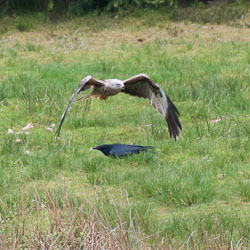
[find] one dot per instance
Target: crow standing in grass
(120, 150)
(141, 86)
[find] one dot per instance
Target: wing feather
(85, 84)
(142, 86)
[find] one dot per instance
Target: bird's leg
(89, 95)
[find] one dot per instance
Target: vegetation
(57, 194)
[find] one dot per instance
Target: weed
(32, 48)
(23, 24)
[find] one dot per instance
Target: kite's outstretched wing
(142, 86)
(85, 84)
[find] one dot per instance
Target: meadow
(57, 194)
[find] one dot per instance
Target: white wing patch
(159, 102)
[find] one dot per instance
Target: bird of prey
(139, 85)
(120, 150)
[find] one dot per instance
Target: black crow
(141, 86)
(120, 150)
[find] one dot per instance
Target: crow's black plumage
(120, 150)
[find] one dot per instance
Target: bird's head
(116, 84)
(105, 148)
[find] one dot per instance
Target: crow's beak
(92, 149)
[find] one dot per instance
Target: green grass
(190, 192)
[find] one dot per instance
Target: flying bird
(120, 150)
(139, 85)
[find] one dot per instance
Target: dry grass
(67, 224)
(70, 224)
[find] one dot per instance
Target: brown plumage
(141, 86)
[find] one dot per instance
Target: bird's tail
(146, 148)
(174, 125)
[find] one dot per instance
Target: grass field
(194, 193)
